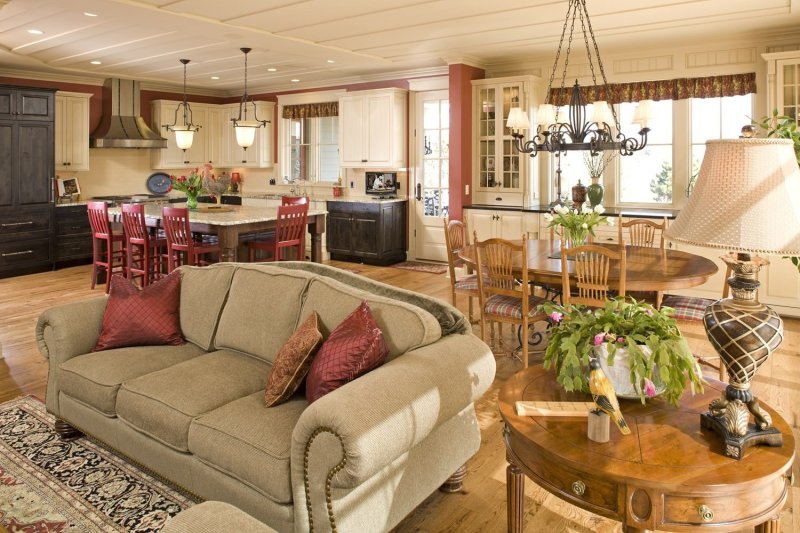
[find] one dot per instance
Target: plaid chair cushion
(467, 283)
(686, 307)
(510, 306)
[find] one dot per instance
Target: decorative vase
(577, 237)
(595, 192)
(619, 372)
(578, 195)
(191, 201)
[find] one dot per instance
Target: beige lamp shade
(546, 115)
(183, 137)
(601, 112)
(246, 132)
(747, 199)
(518, 119)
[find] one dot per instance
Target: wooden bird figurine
(604, 396)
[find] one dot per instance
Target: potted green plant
(624, 331)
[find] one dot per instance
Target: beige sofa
(358, 459)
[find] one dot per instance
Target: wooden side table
(669, 474)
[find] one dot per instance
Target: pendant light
(246, 129)
(184, 133)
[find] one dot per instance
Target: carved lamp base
(736, 444)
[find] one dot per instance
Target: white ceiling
(364, 39)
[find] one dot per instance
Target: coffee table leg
(515, 487)
(773, 525)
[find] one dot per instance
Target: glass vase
(191, 201)
(577, 238)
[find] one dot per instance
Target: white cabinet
(230, 154)
(72, 131)
(172, 156)
(372, 128)
(783, 83)
(495, 223)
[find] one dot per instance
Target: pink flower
(556, 317)
(621, 340)
(649, 388)
(599, 339)
(609, 337)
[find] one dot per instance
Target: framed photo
(68, 186)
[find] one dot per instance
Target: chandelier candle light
(745, 201)
(246, 129)
(184, 133)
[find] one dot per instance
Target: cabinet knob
(363, 160)
(578, 487)
(705, 513)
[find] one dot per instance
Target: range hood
(122, 126)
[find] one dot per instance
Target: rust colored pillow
(292, 362)
(141, 317)
(354, 348)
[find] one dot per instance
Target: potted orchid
(639, 347)
(578, 224)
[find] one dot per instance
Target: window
(313, 148)
(436, 151)
(646, 176)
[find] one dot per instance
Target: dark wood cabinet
(73, 234)
(27, 171)
(368, 232)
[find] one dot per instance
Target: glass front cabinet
(783, 83)
(500, 175)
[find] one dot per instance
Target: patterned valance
(322, 109)
(679, 89)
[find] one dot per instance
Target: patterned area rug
(48, 485)
(418, 266)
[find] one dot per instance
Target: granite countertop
(612, 211)
(328, 198)
(229, 215)
(72, 204)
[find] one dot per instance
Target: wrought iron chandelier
(246, 129)
(556, 132)
(184, 133)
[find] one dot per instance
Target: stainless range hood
(122, 125)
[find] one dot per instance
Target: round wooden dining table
(647, 269)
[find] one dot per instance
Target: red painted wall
(461, 77)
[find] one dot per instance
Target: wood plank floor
(480, 507)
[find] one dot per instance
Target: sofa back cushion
(404, 326)
(262, 310)
(203, 293)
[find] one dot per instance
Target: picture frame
(68, 186)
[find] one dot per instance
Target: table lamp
(747, 201)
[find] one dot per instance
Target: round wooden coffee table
(669, 474)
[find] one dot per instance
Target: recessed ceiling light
(214, 77)
(89, 14)
(295, 80)
(35, 32)
(96, 62)
(331, 61)
(272, 69)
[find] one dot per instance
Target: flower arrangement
(577, 332)
(597, 163)
(192, 185)
(577, 224)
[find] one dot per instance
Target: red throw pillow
(354, 348)
(292, 362)
(145, 317)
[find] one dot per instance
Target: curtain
(678, 89)
(322, 109)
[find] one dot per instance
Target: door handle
(419, 192)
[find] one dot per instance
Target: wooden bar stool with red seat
(290, 232)
(104, 255)
(144, 251)
(181, 248)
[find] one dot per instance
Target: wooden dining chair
(591, 267)
(144, 251)
(290, 232)
(643, 232)
(182, 249)
(456, 238)
(505, 295)
(108, 248)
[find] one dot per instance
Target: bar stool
(181, 248)
(104, 256)
(290, 232)
(144, 251)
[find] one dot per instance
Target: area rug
(48, 485)
(418, 266)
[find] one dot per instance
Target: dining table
(230, 222)
(647, 268)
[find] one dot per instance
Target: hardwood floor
(481, 504)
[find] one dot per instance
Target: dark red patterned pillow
(354, 348)
(292, 362)
(145, 317)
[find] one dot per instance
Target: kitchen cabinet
(163, 112)
(495, 223)
(29, 104)
(368, 232)
(372, 129)
(72, 131)
(783, 83)
(73, 234)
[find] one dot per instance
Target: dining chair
(182, 249)
(505, 295)
(294, 200)
(108, 248)
(643, 232)
(290, 232)
(456, 238)
(591, 267)
(144, 251)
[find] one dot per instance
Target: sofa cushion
(95, 378)
(354, 348)
(203, 293)
(250, 442)
(163, 404)
(141, 317)
(262, 310)
(292, 362)
(404, 326)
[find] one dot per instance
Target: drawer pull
(12, 224)
(578, 487)
(705, 513)
(9, 254)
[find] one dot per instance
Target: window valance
(678, 89)
(322, 109)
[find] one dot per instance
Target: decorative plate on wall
(159, 183)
